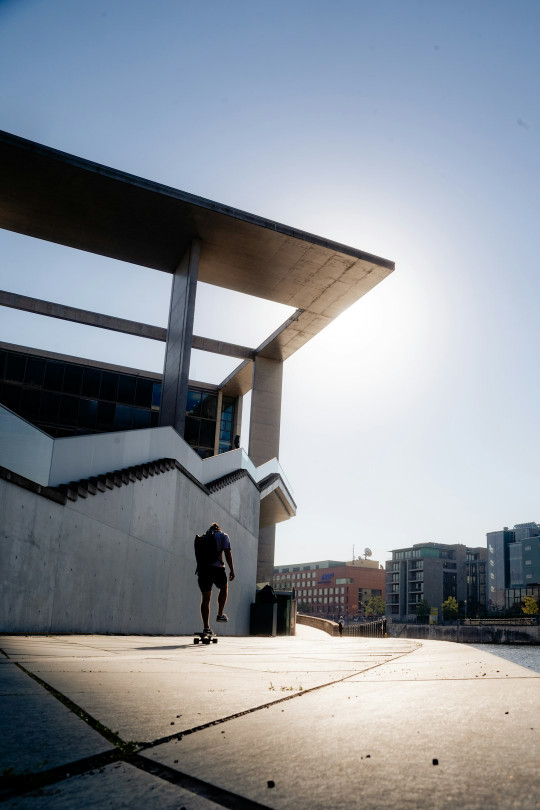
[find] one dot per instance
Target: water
(523, 654)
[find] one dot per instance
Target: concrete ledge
(25, 483)
(319, 624)
(467, 634)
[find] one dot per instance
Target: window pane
(69, 407)
(228, 405)
(141, 418)
(126, 389)
(91, 382)
(209, 406)
(2, 364)
(30, 402)
(50, 405)
(123, 417)
(191, 431)
(207, 433)
(15, 366)
(156, 395)
(109, 384)
(105, 417)
(88, 409)
(143, 393)
(35, 371)
(11, 396)
(72, 379)
(193, 404)
(54, 375)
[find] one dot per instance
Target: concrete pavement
(304, 722)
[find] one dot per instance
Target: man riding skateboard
(209, 550)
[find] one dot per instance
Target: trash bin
(263, 613)
(286, 613)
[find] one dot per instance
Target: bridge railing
(375, 629)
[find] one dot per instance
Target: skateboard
(205, 638)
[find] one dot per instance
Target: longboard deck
(206, 639)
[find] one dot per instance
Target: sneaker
(221, 618)
(208, 631)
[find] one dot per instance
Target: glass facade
(515, 565)
(515, 596)
(201, 419)
(226, 425)
(442, 571)
(67, 399)
(498, 568)
(64, 398)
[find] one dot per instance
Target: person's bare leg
(205, 608)
(222, 598)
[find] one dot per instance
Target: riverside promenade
(301, 722)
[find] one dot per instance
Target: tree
(530, 606)
(450, 608)
(422, 611)
(375, 606)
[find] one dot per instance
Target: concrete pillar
(265, 410)
(264, 431)
(179, 336)
(265, 556)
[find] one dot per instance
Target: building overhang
(277, 503)
(61, 198)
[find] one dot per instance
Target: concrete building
(434, 571)
(514, 567)
(330, 588)
(100, 503)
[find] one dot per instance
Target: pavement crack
(111, 736)
(269, 704)
(200, 788)
(18, 784)
(12, 785)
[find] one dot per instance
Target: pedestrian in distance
(209, 551)
(341, 622)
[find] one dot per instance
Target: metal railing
(376, 629)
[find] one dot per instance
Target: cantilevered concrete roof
(65, 199)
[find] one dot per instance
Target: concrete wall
(121, 561)
(319, 624)
(468, 634)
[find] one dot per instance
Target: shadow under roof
(61, 198)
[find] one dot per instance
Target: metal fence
(376, 629)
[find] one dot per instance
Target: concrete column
(179, 336)
(265, 556)
(265, 421)
(264, 431)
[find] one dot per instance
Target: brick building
(332, 587)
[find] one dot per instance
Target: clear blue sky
(407, 128)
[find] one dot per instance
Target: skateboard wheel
(206, 641)
(214, 641)
(196, 640)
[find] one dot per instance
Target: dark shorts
(212, 576)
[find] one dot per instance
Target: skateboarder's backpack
(206, 549)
